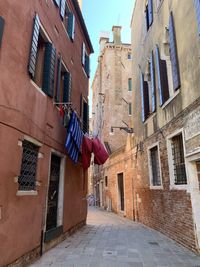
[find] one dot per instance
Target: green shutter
(49, 69)
(71, 25)
(87, 65)
(67, 87)
(59, 65)
(34, 46)
(2, 22)
(83, 54)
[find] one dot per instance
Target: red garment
(100, 154)
(62, 113)
(86, 152)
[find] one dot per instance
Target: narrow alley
(110, 240)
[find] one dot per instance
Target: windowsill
(156, 187)
(37, 87)
(179, 187)
(170, 99)
(27, 193)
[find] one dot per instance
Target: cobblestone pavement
(109, 240)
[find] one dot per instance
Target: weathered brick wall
(167, 210)
(120, 162)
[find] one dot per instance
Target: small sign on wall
(192, 124)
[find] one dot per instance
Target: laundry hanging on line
(95, 146)
(74, 138)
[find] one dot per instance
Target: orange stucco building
(44, 61)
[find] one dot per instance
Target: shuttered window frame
(2, 23)
(49, 58)
(163, 86)
(173, 54)
(144, 98)
(153, 89)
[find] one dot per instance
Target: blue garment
(74, 138)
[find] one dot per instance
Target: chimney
(102, 42)
(116, 34)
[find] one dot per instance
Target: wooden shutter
(62, 8)
(142, 95)
(71, 25)
(153, 91)
(34, 46)
(67, 87)
(87, 65)
(197, 7)
(57, 2)
(173, 54)
(49, 69)
(163, 86)
(59, 66)
(83, 54)
(2, 23)
(150, 12)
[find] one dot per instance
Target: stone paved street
(112, 241)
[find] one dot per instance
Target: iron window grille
(178, 160)
(155, 166)
(27, 178)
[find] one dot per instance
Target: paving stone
(112, 241)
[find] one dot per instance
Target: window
(129, 109)
(2, 22)
(85, 60)
(68, 19)
(178, 160)
(129, 84)
(64, 83)
(129, 56)
(149, 14)
(84, 114)
(148, 94)
(27, 178)
(144, 90)
(42, 59)
(154, 166)
(168, 67)
(106, 181)
(163, 86)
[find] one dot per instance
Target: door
(52, 208)
(121, 191)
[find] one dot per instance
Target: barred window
(27, 178)
(155, 166)
(178, 160)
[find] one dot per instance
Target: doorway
(55, 195)
(120, 178)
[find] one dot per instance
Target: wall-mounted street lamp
(126, 129)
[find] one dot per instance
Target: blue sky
(100, 16)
